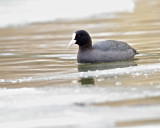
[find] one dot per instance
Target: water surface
(41, 81)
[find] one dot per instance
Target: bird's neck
(85, 47)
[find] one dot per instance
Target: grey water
(43, 86)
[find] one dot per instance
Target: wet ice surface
(85, 105)
(49, 10)
(42, 86)
(45, 107)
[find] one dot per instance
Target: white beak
(71, 43)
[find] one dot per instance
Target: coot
(103, 51)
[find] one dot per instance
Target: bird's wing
(113, 45)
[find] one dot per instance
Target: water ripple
(61, 56)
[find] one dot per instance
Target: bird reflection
(101, 66)
(87, 81)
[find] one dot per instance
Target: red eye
(78, 36)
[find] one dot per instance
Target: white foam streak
(152, 68)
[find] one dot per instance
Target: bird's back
(112, 45)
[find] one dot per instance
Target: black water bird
(103, 51)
